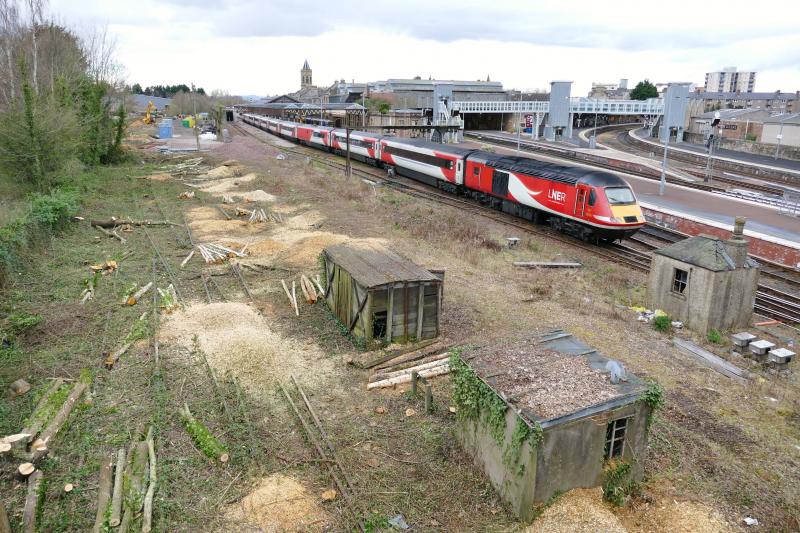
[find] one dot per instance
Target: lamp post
(594, 132)
(663, 182)
(779, 137)
(519, 117)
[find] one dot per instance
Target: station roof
(737, 114)
(714, 95)
(333, 106)
(372, 265)
(786, 118)
(552, 377)
(705, 252)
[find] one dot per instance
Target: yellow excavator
(150, 113)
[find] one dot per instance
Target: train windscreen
(619, 196)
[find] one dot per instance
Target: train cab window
(592, 197)
(476, 171)
(619, 196)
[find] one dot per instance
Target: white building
(729, 80)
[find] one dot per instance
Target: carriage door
(500, 183)
(580, 202)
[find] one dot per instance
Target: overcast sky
(258, 47)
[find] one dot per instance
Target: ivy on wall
(476, 401)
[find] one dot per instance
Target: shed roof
(372, 265)
(705, 252)
(552, 377)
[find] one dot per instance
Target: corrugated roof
(706, 252)
(372, 265)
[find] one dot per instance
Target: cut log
(319, 285)
(545, 264)
(416, 355)
(138, 295)
(68, 487)
(31, 503)
(294, 299)
(111, 234)
(206, 441)
(312, 292)
(26, 469)
(288, 294)
(5, 447)
(116, 497)
(103, 494)
(388, 375)
(406, 378)
(113, 357)
(118, 222)
(136, 476)
(147, 518)
(19, 387)
(409, 364)
(61, 416)
(430, 364)
(305, 290)
(5, 527)
(188, 258)
(37, 423)
(382, 358)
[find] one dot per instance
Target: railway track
(770, 301)
(620, 140)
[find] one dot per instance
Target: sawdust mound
(279, 503)
(227, 184)
(254, 196)
(683, 517)
(578, 510)
(238, 339)
(222, 171)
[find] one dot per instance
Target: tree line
(61, 95)
(165, 91)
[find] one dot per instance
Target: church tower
(305, 76)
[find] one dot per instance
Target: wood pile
(398, 366)
(33, 442)
(189, 167)
(312, 292)
(216, 253)
(126, 488)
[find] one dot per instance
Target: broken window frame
(679, 283)
(615, 437)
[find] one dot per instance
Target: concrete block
(781, 356)
(742, 339)
(761, 347)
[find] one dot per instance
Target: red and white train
(589, 204)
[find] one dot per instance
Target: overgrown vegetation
(617, 482)
(653, 397)
(715, 337)
(662, 323)
(476, 401)
(47, 214)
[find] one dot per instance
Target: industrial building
(381, 296)
(705, 282)
(579, 418)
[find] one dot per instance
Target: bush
(662, 323)
(21, 321)
(715, 337)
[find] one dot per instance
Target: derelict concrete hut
(558, 392)
(705, 282)
(379, 295)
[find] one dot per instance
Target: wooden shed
(379, 295)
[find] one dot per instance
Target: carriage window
(476, 171)
(592, 197)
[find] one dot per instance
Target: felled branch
(120, 222)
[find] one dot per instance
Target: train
(592, 205)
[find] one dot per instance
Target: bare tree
(100, 48)
(36, 13)
(9, 32)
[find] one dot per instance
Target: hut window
(679, 281)
(615, 437)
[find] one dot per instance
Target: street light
(779, 136)
(663, 182)
(594, 131)
(519, 117)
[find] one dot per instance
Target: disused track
(770, 302)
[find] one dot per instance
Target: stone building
(581, 412)
(305, 76)
(705, 282)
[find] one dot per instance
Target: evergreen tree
(644, 90)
